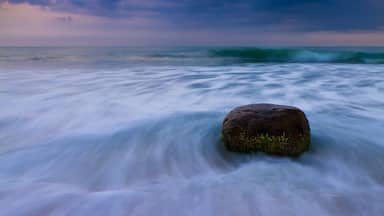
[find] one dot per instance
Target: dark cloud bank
(298, 15)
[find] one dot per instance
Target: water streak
(145, 139)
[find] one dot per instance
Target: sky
(192, 22)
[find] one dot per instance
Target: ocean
(136, 131)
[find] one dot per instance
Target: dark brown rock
(273, 129)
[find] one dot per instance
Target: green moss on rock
(278, 145)
(273, 129)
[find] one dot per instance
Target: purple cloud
(300, 15)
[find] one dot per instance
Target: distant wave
(107, 58)
(257, 55)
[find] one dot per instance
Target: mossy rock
(269, 128)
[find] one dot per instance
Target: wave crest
(258, 55)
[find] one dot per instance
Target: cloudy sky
(192, 22)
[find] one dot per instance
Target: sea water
(136, 131)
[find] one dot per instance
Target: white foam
(145, 141)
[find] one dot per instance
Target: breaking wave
(257, 55)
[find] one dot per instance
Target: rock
(272, 129)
